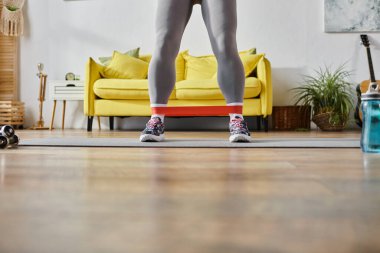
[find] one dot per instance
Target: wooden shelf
(9, 47)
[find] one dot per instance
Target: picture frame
(352, 16)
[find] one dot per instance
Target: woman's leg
(221, 21)
(171, 19)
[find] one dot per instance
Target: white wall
(63, 34)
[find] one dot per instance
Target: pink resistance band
(197, 110)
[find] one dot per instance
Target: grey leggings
(171, 19)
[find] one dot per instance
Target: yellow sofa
(112, 97)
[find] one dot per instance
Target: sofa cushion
(209, 89)
(199, 67)
(249, 61)
(124, 66)
(106, 60)
(205, 67)
(146, 57)
(179, 64)
(249, 51)
(123, 89)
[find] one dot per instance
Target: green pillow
(107, 59)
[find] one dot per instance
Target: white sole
(151, 138)
(240, 138)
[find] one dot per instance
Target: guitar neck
(371, 71)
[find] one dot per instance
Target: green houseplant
(329, 94)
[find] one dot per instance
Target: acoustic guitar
(363, 86)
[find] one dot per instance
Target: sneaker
(154, 131)
(239, 131)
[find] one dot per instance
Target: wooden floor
(133, 200)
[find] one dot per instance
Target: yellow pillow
(249, 51)
(249, 61)
(106, 60)
(146, 57)
(200, 67)
(180, 66)
(124, 66)
(205, 67)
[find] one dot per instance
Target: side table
(65, 90)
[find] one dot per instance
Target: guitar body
(363, 87)
(360, 89)
(365, 84)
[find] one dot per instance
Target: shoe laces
(153, 123)
(238, 123)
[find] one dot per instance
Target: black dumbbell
(13, 141)
(3, 142)
(8, 138)
(7, 131)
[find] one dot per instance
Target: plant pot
(322, 121)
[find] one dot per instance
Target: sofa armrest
(264, 74)
(93, 71)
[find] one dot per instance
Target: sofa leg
(89, 123)
(258, 121)
(266, 124)
(111, 122)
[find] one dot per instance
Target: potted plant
(330, 95)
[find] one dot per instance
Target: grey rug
(196, 143)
